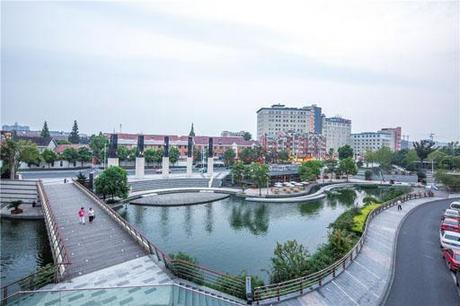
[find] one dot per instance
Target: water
(24, 248)
(233, 235)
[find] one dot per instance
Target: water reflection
(253, 218)
(209, 218)
(310, 208)
(188, 220)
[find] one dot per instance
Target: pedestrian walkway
(365, 280)
(94, 246)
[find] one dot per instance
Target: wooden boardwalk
(94, 246)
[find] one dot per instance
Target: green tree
(192, 132)
(348, 167)
(174, 155)
(271, 157)
(74, 137)
(411, 158)
(450, 180)
(310, 170)
(239, 173)
(196, 155)
(345, 152)
(45, 133)
(70, 155)
(159, 155)
(436, 157)
(423, 148)
(229, 157)
(149, 155)
(383, 156)
(247, 136)
(340, 242)
(399, 158)
(62, 142)
(112, 182)
(49, 156)
(123, 153)
(283, 156)
(14, 152)
(259, 174)
(84, 155)
(369, 157)
(290, 260)
(98, 144)
(330, 162)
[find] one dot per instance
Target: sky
(156, 67)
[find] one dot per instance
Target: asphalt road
(421, 276)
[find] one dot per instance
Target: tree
(70, 155)
(239, 173)
(122, 153)
(368, 175)
(259, 174)
(196, 155)
(112, 182)
(62, 142)
(369, 157)
(291, 260)
(383, 156)
(310, 170)
(74, 137)
(229, 157)
(84, 155)
(423, 148)
(348, 167)
(49, 156)
(250, 155)
(149, 155)
(330, 162)
(98, 144)
(14, 152)
(173, 155)
(436, 157)
(399, 158)
(45, 133)
(411, 158)
(450, 180)
(345, 152)
(247, 136)
(159, 155)
(283, 156)
(192, 132)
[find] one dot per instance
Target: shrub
(370, 199)
(345, 220)
(185, 266)
(291, 260)
(360, 219)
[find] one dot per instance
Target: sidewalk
(364, 281)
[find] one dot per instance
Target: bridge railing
(50, 273)
(183, 269)
(301, 285)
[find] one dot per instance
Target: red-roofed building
(220, 144)
(60, 148)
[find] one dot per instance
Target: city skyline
(160, 67)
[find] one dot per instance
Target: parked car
(452, 258)
(451, 213)
(455, 205)
(450, 224)
(449, 240)
(159, 171)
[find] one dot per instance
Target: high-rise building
(371, 141)
(279, 118)
(337, 131)
(299, 145)
(395, 137)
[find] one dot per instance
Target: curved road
(421, 276)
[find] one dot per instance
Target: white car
(451, 213)
(449, 240)
(455, 205)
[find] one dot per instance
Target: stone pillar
(140, 160)
(165, 164)
(210, 157)
(112, 160)
(189, 156)
(140, 165)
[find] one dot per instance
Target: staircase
(14, 190)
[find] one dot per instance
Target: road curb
(389, 284)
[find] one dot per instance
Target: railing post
(333, 272)
(5, 295)
(278, 293)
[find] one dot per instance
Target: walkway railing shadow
(50, 273)
(288, 289)
(195, 273)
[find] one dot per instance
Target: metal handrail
(307, 283)
(151, 248)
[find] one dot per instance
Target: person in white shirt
(91, 215)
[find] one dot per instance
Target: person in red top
(81, 215)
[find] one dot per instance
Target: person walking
(91, 215)
(399, 205)
(81, 215)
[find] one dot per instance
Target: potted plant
(15, 205)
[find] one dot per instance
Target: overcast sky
(157, 67)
